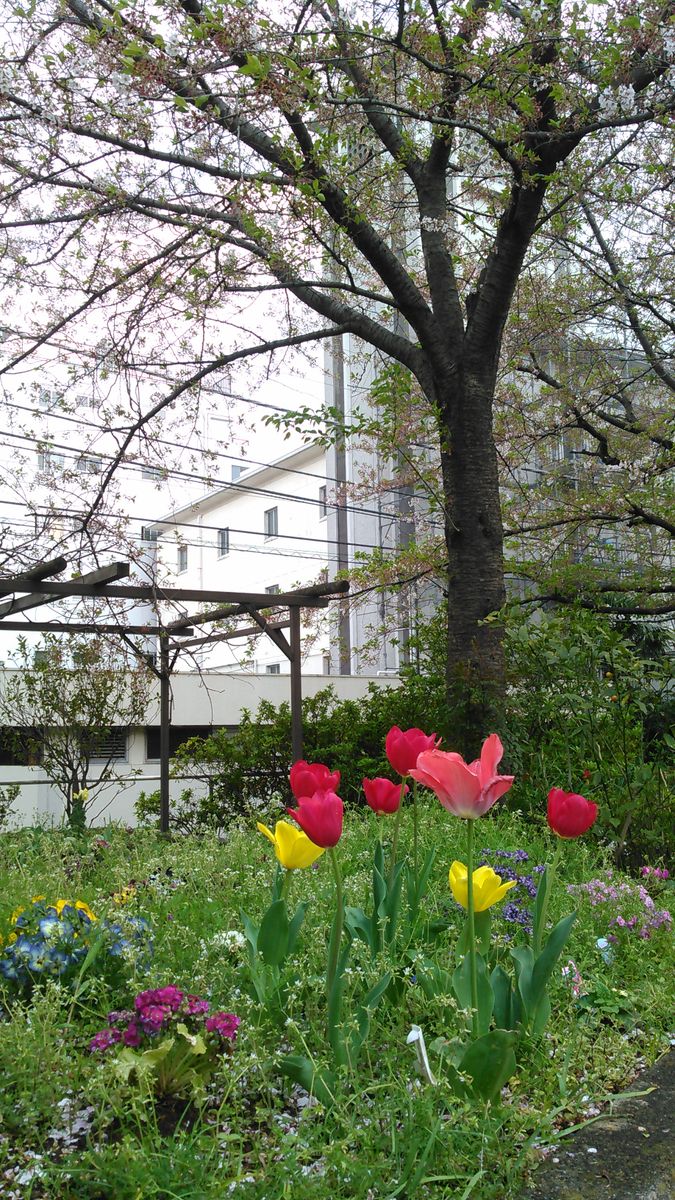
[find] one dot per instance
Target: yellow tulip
(488, 888)
(291, 846)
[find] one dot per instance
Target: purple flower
(171, 997)
(132, 1035)
(120, 1018)
(196, 1007)
(224, 1024)
(153, 1016)
(104, 1040)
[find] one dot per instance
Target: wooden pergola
(270, 614)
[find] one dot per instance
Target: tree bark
(474, 540)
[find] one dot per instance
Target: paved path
(629, 1155)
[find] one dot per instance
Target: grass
(70, 1128)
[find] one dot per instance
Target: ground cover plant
(370, 1012)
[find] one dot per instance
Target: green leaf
(507, 1007)
(295, 926)
(273, 934)
(315, 1080)
(461, 982)
(359, 925)
(540, 907)
(490, 1061)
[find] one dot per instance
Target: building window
(182, 559)
(109, 745)
(149, 472)
(49, 462)
(223, 542)
(273, 669)
(271, 522)
(148, 534)
(89, 465)
(323, 508)
(273, 589)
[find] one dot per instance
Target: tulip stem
(286, 885)
(415, 859)
(338, 922)
(394, 840)
(472, 929)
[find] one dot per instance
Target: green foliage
(237, 772)
(588, 712)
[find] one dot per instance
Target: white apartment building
(276, 528)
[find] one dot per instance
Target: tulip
(320, 815)
(308, 778)
(488, 888)
(291, 846)
(403, 748)
(382, 795)
(568, 814)
(465, 789)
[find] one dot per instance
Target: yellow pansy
(84, 907)
(17, 913)
(291, 846)
(488, 888)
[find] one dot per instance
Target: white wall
(196, 700)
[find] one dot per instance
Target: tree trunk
(474, 540)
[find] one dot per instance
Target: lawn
(82, 1122)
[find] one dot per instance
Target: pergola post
(164, 731)
(296, 684)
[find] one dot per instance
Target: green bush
(235, 773)
(588, 712)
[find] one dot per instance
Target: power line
(75, 514)
(194, 450)
(229, 485)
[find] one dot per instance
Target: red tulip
(568, 814)
(465, 789)
(382, 795)
(403, 748)
(320, 816)
(308, 778)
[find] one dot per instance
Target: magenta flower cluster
(640, 914)
(654, 873)
(154, 1011)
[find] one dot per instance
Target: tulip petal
(267, 832)
(491, 755)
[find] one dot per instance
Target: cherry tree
(386, 172)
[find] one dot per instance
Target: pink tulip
(403, 747)
(382, 795)
(465, 789)
(308, 778)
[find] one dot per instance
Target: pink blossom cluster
(154, 1012)
(572, 976)
(654, 873)
(644, 922)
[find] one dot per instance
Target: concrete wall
(197, 700)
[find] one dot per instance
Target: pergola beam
(35, 599)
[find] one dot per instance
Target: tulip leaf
(542, 970)
(379, 883)
(461, 982)
(316, 1080)
(295, 926)
(483, 927)
(524, 960)
(540, 908)
(507, 1006)
(251, 932)
(273, 934)
(363, 1015)
(490, 1061)
(416, 887)
(392, 902)
(359, 925)
(434, 980)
